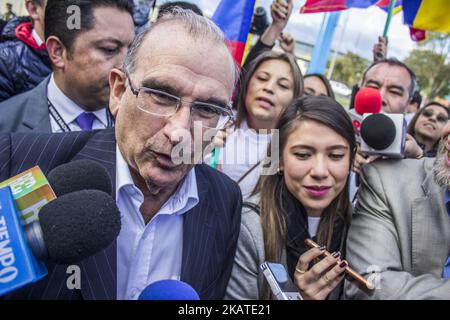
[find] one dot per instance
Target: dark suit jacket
(210, 229)
(26, 112)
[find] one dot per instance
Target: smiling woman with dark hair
(307, 198)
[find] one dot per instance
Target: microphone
(79, 175)
(169, 290)
(379, 133)
(367, 100)
(384, 134)
(70, 229)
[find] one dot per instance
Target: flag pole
(388, 19)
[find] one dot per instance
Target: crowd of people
(283, 163)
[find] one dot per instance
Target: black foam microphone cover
(378, 131)
(78, 225)
(79, 175)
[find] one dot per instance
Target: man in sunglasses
(180, 219)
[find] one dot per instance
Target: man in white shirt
(76, 95)
(180, 219)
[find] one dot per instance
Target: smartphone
(279, 281)
(352, 275)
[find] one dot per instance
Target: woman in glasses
(306, 198)
(270, 83)
(426, 127)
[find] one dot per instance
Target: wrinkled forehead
(172, 48)
(388, 74)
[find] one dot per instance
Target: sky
(361, 30)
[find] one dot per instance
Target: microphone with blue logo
(65, 230)
(169, 290)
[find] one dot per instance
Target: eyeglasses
(160, 103)
(440, 117)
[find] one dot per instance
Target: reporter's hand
(317, 283)
(412, 148)
(360, 159)
(287, 42)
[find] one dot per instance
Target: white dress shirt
(243, 149)
(69, 110)
(36, 37)
(152, 252)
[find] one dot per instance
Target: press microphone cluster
(378, 133)
(74, 226)
(82, 221)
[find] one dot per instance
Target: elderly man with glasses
(180, 219)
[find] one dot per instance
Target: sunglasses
(439, 117)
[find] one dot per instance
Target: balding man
(180, 220)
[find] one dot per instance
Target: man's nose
(178, 126)
(384, 101)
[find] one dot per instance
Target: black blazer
(210, 231)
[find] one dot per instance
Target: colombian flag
(335, 5)
(431, 15)
(312, 6)
(234, 18)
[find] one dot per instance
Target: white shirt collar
(66, 107)
(181, 201)
(36, 37)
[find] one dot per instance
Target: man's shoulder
(217, 182)
(395, 169)
(27, 104)
(33, 97)
(21, 151)
(19, 140)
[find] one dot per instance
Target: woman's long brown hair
(271, 188)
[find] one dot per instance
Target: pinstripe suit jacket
(210, 229)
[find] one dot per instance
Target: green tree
(349, 68)
(431, 63)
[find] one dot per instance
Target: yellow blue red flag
(433, 15)
(234, 17)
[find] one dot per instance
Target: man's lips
(164, 160)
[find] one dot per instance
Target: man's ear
(57, 52)
(117, 86)
(32, 10)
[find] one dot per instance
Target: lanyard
(64, 126)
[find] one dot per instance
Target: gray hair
(197, 26)
(441, 173)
